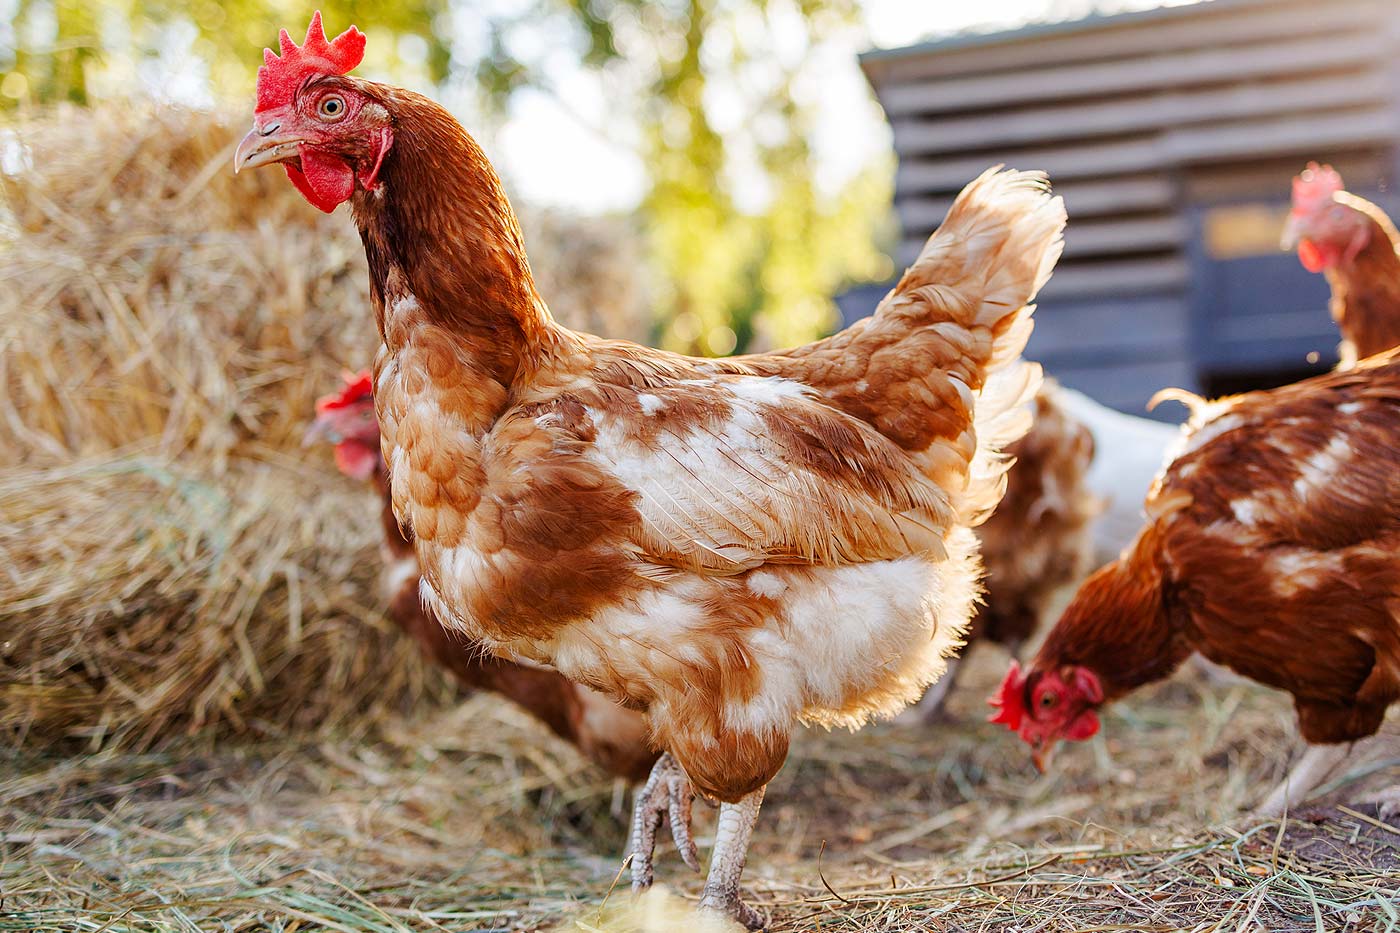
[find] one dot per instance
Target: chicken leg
(667, 796)
(1387, 805)
(721, 894)
(666, 793)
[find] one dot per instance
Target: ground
(475, 820)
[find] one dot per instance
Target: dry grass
(171, 559)
(474, 819)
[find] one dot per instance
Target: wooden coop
(1173, 135)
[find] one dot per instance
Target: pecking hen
(611, 737)
(733, 547)
(1270, 548)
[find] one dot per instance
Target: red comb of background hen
(1010, 699)
(358, 387)
(280, 77)
(1315, 187)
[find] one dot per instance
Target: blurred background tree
(746, 246)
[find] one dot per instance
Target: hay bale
(171, 559)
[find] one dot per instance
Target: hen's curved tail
(978, 274)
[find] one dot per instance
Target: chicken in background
(1270, 548)
(611, 737)
(734, 546)
(1037, 542)
(1129, 452)
(1354, 244)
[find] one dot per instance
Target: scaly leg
(929, 710)
(667, 794)
(1306, 775)
(721, 894)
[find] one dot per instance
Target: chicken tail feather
(980, 271)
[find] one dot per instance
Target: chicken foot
(1329, 764)
(667, 796)
(667, 793)
(1387, 805)
(721, 894)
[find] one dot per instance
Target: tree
(64, 47)
(735, 276)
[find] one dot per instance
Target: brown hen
(1271, 548)
(1355, 245)
(733, 546)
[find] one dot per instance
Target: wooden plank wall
(1138, 118)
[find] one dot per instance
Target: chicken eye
(1048, 699)
(331, 107)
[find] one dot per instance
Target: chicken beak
(1041, 754)
(321, 430)
(1292, 233)
(263, 146)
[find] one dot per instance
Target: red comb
(358, 387)
(281, 76)
(1010, 699)
(1315, 187)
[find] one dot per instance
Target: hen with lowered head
(1270, 548)
(732, 546)
(612, 737)
(1354, 244)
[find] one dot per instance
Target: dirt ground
(475, 820)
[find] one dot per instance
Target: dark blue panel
(1258, 313)
(860, 301)
(1110, 330)
(1261, 311)
(1128, 388)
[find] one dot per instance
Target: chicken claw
(667, 794)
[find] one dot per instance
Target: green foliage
(55, 69)
(67, 46)
(733, 278)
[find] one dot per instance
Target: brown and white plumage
(627, 500)
(1270, 548)
(732, 546)
(611, 737)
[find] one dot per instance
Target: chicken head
(326, 129)
(1324, 231)
(346, 419)
(1045, 707)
